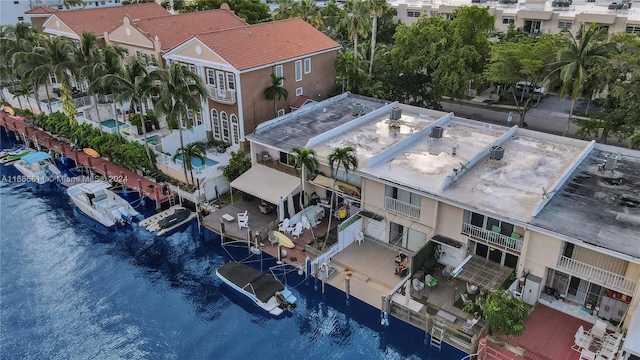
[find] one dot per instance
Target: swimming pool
(153, 140)
(53, 101)
(197, 164)
(111, 123)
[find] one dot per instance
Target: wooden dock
(101, 166)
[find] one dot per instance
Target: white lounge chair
(242, 216)
(586, 354)
(244, 223)
(297, 230)
(284, 226)
(468, 325)
(599, 329)
(359, 237)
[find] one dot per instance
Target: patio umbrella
(292, 207)
(281, 209)
(407, 292)
(8, 110)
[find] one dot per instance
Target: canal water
(71, 291)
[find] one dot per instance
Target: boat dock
(112, 172)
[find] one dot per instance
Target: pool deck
(101, 166)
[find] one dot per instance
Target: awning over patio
(484, 273)
(341, 187)
(266, 183)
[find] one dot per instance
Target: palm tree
(376, 7)
(194, 150)
(308, 11)
(358, 18)
(345, 158)
(70, 3)
(50, 56)
(284, 9)
(22, 90)
(110, 63)
(275, 92)
(304, 162)
(181, 91)
(579, 55)
(135, 85)
(348, 68)
(86, 57)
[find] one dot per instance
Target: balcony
(610, 280)
(223, 96)
(401, 207)
(493, 238)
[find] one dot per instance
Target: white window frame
(235, 130)
(198, 118)
(299, 91)
(632, 28)
(225, 126)
(280, 112)
(280, 73)
(564, 24)
(215, 124)
(193, 68)
(298, 66)
(211, 77)
(231, 81)
(220, 80)
(508, 20)
(307, 66)
(138, 53)
(413, 13)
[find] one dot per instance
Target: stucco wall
(450, 222)
(542, 252)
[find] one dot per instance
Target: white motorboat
(165, 221)
(264, 290)
(39, 167)
(13, 156)
(95, 200)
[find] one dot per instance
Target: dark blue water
(70, 292)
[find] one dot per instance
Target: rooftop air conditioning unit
(611, 161)
(357, 109)
(496, 153)
(396, 113)
(436, 132)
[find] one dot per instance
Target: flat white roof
(428, 162)
(371, 138)
(532, 163)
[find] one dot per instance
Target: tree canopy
(253, 11)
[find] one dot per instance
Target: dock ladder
(436, 337)
(172, 199)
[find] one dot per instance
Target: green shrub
(505, 312)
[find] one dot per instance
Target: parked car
(525, 89)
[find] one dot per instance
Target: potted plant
(136, 120)
(153, 118)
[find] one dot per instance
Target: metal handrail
(491, 237)
(401, 207)
(590, 272)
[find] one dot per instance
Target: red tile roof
(301, 100)
(104, 19)
(175, 29)
(41, 10)
(267, 43)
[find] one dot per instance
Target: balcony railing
(610, 280)
(401, 207)
(492, 238)
(228, 96)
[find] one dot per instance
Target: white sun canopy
(266, 183)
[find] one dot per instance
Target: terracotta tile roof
(103, 19)
(175, 29)
(300, 101)
(41, 10)
(266, 43)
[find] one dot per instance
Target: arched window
(215, 126)
(225, 126)
(235, 130)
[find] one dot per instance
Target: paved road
(549, 116)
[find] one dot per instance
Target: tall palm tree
(275, 92)
(22, 90)
(359, 21)
(573, 63)
(13, 39)
(86, 57)
(110, 63)
(376, 7)
(345, 158)
(308, 11)
(135, 85)
(181, 90)
(349, 69)
(194, 150)
(50, 56)
(304, 161)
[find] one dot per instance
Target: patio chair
(586, 354)
(417, 285)
(581, 340)
(244, 223)
(242, 216)
(297, 230)
(468, 325)
(599, 329)
(430, 281)
(359, 236)
(283, 227)
(606, 354)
